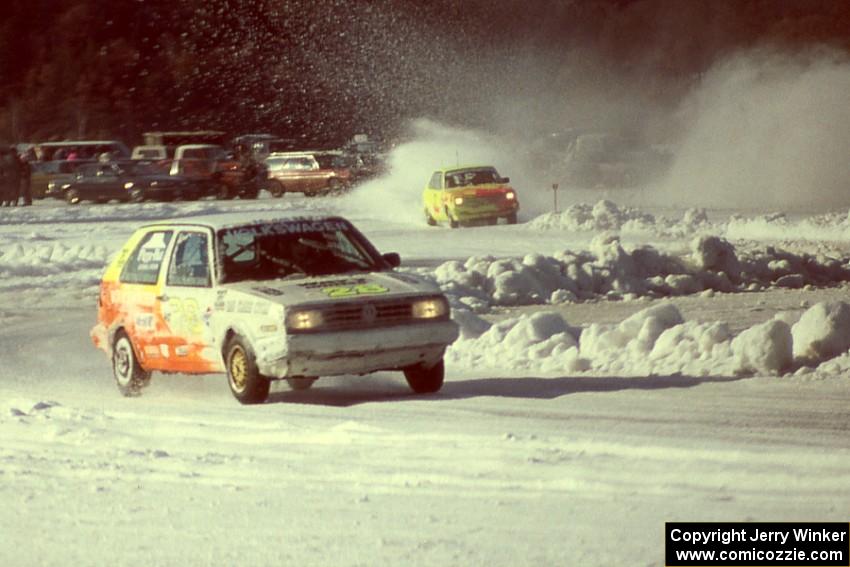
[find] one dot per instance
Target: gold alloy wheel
(121, 358)
(239, 369)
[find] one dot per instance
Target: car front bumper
(485, 211)
(356, 351)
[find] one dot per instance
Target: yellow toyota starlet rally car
(275, 297)
(468, 194)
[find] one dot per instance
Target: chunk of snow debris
(695, 217)
(637, 334)
(822, 332)
(764, 348)
(539, 340)
(792, 281)
(471, 325)
(562, 296)
(682, 284)
(715, 254)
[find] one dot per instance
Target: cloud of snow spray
(766, 131)
(761, 131)
(398, 195)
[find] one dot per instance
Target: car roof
(465, 167)
(219, 221)
(198, 146)
(79, 143)
(287, 155)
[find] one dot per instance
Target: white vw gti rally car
(264, 298)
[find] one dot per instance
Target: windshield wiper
(362, 265)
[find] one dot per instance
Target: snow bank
(654, 341)
(608, 216)
(36, 259)
(610, 271)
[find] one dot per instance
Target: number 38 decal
(349, 290)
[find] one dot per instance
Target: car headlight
(128, 185)
(510, 195)
(304, 319)
(458, 200)
(431, 308)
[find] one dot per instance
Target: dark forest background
(326, 69)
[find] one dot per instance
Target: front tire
(453, 223)
(129, 375)
(511, 218)
(425, 380)
(137, 196)
(246, 383)
(222, 192)
(429, 220)
(72, 196)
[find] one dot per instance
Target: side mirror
(392, 258)
(504, 180)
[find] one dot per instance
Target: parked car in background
(82, 150)
(609, 160)
(150, 153)
(267, 298)
(126, 181)
(366, 157)
(218, 172)
(469, 194)
(48, 177)
(308, 173)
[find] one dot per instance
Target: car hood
(338, 287)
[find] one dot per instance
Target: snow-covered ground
(619, 367)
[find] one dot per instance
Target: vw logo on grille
(369, 313)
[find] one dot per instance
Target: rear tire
(277, 189)
(334, 187)
(246, 383)
(425, 380)
(300, 383)
(72, 197)
(129, 375)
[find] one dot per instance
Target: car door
(315, 178)
(433, 196)
(135, 301)
(85, 182)
(109, 182)
(186, 301)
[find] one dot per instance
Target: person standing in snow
(25, 187)
(9, 176)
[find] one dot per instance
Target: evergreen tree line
(326, 69)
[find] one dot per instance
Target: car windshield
(462, 178)
(331, 161)
(297, 248)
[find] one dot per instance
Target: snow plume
(397, 196)
(766, 128)
(654, 341)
